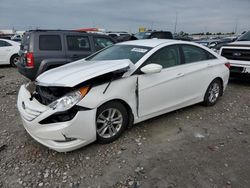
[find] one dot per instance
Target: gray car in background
(42, 50)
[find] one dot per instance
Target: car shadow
(240, 80)
(6, 66)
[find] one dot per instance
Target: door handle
(180, 74)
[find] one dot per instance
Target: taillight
(227, 65)
(30, 60)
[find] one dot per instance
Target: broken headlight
(69, 100)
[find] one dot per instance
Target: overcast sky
(192, 15)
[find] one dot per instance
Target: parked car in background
(126, 38)
(9, 52)
(238, 54)
(117, 34)
(223, 42)
(42, 50)
(208, 43)
(17, 38)
(154, 34)
(98, 97)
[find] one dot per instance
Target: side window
(50, 42)
(113, 35)
(211, 56)
(4, 43)
(195, 54)
(101, 42)
(167, 57)
(155, 35)
(78, 43)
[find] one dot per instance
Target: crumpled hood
(77, 72)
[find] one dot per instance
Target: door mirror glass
(151, 68)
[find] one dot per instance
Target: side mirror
(151, 68)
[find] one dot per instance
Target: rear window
(50, 42)
(245, 37)
(25, 41)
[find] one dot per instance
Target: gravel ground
(192, 147)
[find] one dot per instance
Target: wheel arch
(220, 80)
(126, 105)
(222, 85)
(16, 54)
(11, 57)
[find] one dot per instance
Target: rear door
(78, 46)
(197, 71)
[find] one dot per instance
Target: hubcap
(214, 92)
(16, 59)
(109, 122)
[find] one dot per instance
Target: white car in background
(98, 97)
(9, 52)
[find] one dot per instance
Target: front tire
(214, 91)
(111, 121)
(13, 60)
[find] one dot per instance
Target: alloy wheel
(109, 122)
(214, 92)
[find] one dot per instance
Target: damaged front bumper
(60, 136)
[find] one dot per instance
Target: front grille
(30, 113)
(236, 69)
(236, 54)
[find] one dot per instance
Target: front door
(160, 91)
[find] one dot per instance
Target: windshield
(244, 37)
(117, 52)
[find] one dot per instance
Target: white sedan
(98, 97)
(9, 52)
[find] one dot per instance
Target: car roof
(65, 31)
(156, 42)
(148, 42)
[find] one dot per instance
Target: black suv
(154, 34)
(42, 50)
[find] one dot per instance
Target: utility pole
(175, 25)
(236, 26)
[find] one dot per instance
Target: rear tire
(214, 91)
(111, 121)
(13, 60)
